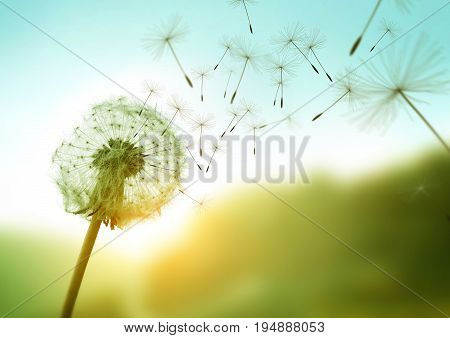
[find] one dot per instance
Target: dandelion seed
(347, 88)
(360, 37)
(282, 67)
(168, 35)
(230, 73)
(255, 125)
(190, 153)
(108, 177)
(227, 45)
(200, 203)
(315, 41)
(246, 109)
(250, 55)
(293, 37)
(389, 30)
(179, 107)
(244, 3)
(234, 115)
(151, 89)
(398, 79)
(202, 123)
(202, 74)
(215, 147)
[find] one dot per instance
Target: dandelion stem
(145, 103)
(313, 67)
(282, 87)
(225, 53)
(243, 115)
(214, 152)
(198, 165)
(179, 65)
(254, 141)
(171, 120)
(358, 40)
(321, 66)
(201, 90)
(240, 79)
(424, 120)
(200, 141)
(248, 17)
(190, 197)
(373, 47)
(228, 82)
(276, 94)
(330, 106)
(80, 267)
(229, 124)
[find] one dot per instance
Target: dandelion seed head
(389, 27)
(204, 121)
(289, 35)
(413, 69)
(227, 43)
(283, 63)
(314, 40)
(247, 107)
(152, 88)
(249, 52)
(113, 166)
(202, 72)
(178, 105)
(169, 32)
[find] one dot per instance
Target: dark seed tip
(315, 69)
(371, 49)
(329, 77)
(189, 81)
(317, 116)
(233, 97)
(355, 45)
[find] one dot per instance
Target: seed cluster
(117, 165)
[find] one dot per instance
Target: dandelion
(388, 29)
(168, 35)
(108, 175)
(215, 147)
(244, 3)
(179, 107)
(397, 81)
(233, 111)
(230, 73)
(227, 44)
(202, 74)
(183, 191)
(192, 156)
(255, 125)
(282, 67)
(314, 42)
(293, 37)
(202, 123)
(246, 109)
(250, 55)
(360, 37)
(347, 88)
(151, 89)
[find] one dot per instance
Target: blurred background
(244, 253)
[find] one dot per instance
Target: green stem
(80, 267)
(424, 120)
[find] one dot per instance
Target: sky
(45, 89)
